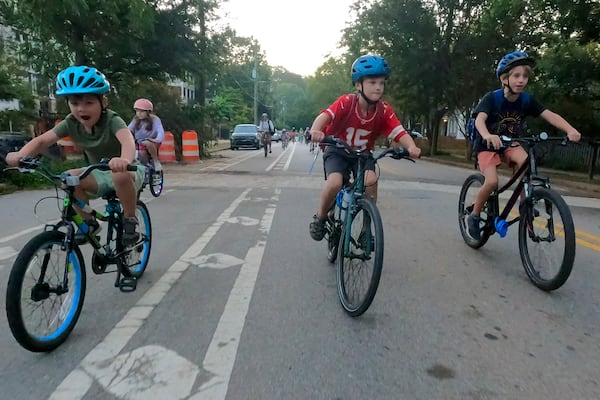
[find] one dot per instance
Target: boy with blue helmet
(100, 133)
(359, 119)
(507, 119)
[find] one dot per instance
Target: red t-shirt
(348, 124)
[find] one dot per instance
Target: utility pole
(255, 77)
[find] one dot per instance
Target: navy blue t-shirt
(511, 118)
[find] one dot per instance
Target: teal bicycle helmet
(81, 80)
(512, 60)
(369, 66)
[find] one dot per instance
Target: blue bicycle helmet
(512, 60)
(369, 66)
(81, 80)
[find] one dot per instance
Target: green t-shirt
(101, 143)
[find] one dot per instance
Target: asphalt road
(238, 302)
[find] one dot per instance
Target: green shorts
(105, 182)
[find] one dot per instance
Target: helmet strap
(362, 94)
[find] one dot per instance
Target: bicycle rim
(466, 200)
(547, 240)
(136, 259)
(39, 318)
(156, 183)
(360, 259)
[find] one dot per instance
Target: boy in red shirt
(359, 119)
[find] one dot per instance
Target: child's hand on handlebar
(574, 135)
(12, 159)
(317, 136)
(414, 151)
(118, 164)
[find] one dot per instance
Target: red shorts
(511, 155)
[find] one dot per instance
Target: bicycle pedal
(127, 284)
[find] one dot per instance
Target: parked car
(276, 136)
(12, 141)
(417, 135)
(245, 135)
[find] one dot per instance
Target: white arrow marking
(216, 261)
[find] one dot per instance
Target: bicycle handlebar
(396, 153)
(30, 164)
(541, 137)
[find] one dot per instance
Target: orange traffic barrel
(189, 146)
(166, 151)
(68, 147)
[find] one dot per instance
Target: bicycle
(265, 142)
(47, 281)
(153, 179)
(544, 218)
(354, 232)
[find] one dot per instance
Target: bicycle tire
(333, 240)
(136, 267)
(530, 235)
(265, 146)
(469, 190)
(156, 182)
(348, 270)
(61, 320)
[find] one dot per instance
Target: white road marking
(289, 160)
(270, 167)
(78, 382)
(219, 359)
(242, 159)
(149, 372)
(217, 261)
(6, 253)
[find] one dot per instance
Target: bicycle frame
(528, 177)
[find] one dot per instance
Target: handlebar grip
(132, 168)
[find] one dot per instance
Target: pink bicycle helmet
(143, 104)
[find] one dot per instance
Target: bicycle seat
(109, 196)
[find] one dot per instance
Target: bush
(13, 180)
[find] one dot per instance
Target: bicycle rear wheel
(360, 258)
(45, 292)
(466, 201)
(265, 146)
(156, 181)
(547, 239)
(136, 259)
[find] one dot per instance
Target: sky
(297, 35)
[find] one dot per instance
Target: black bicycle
(546, 231)
(354, 232)
(47, 283)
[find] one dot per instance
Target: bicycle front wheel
(547, 239)
(156, 181)
(360, 258)
(136, 259)
(45, 292)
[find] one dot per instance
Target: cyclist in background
(285, 138)
(513, 71)
(147, 130)
(266, 128)
(100, 133)
(359, 119)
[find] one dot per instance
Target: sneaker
(317, 228)
(473, 225)
(157, 166)
(130, 236)
(94, 228)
